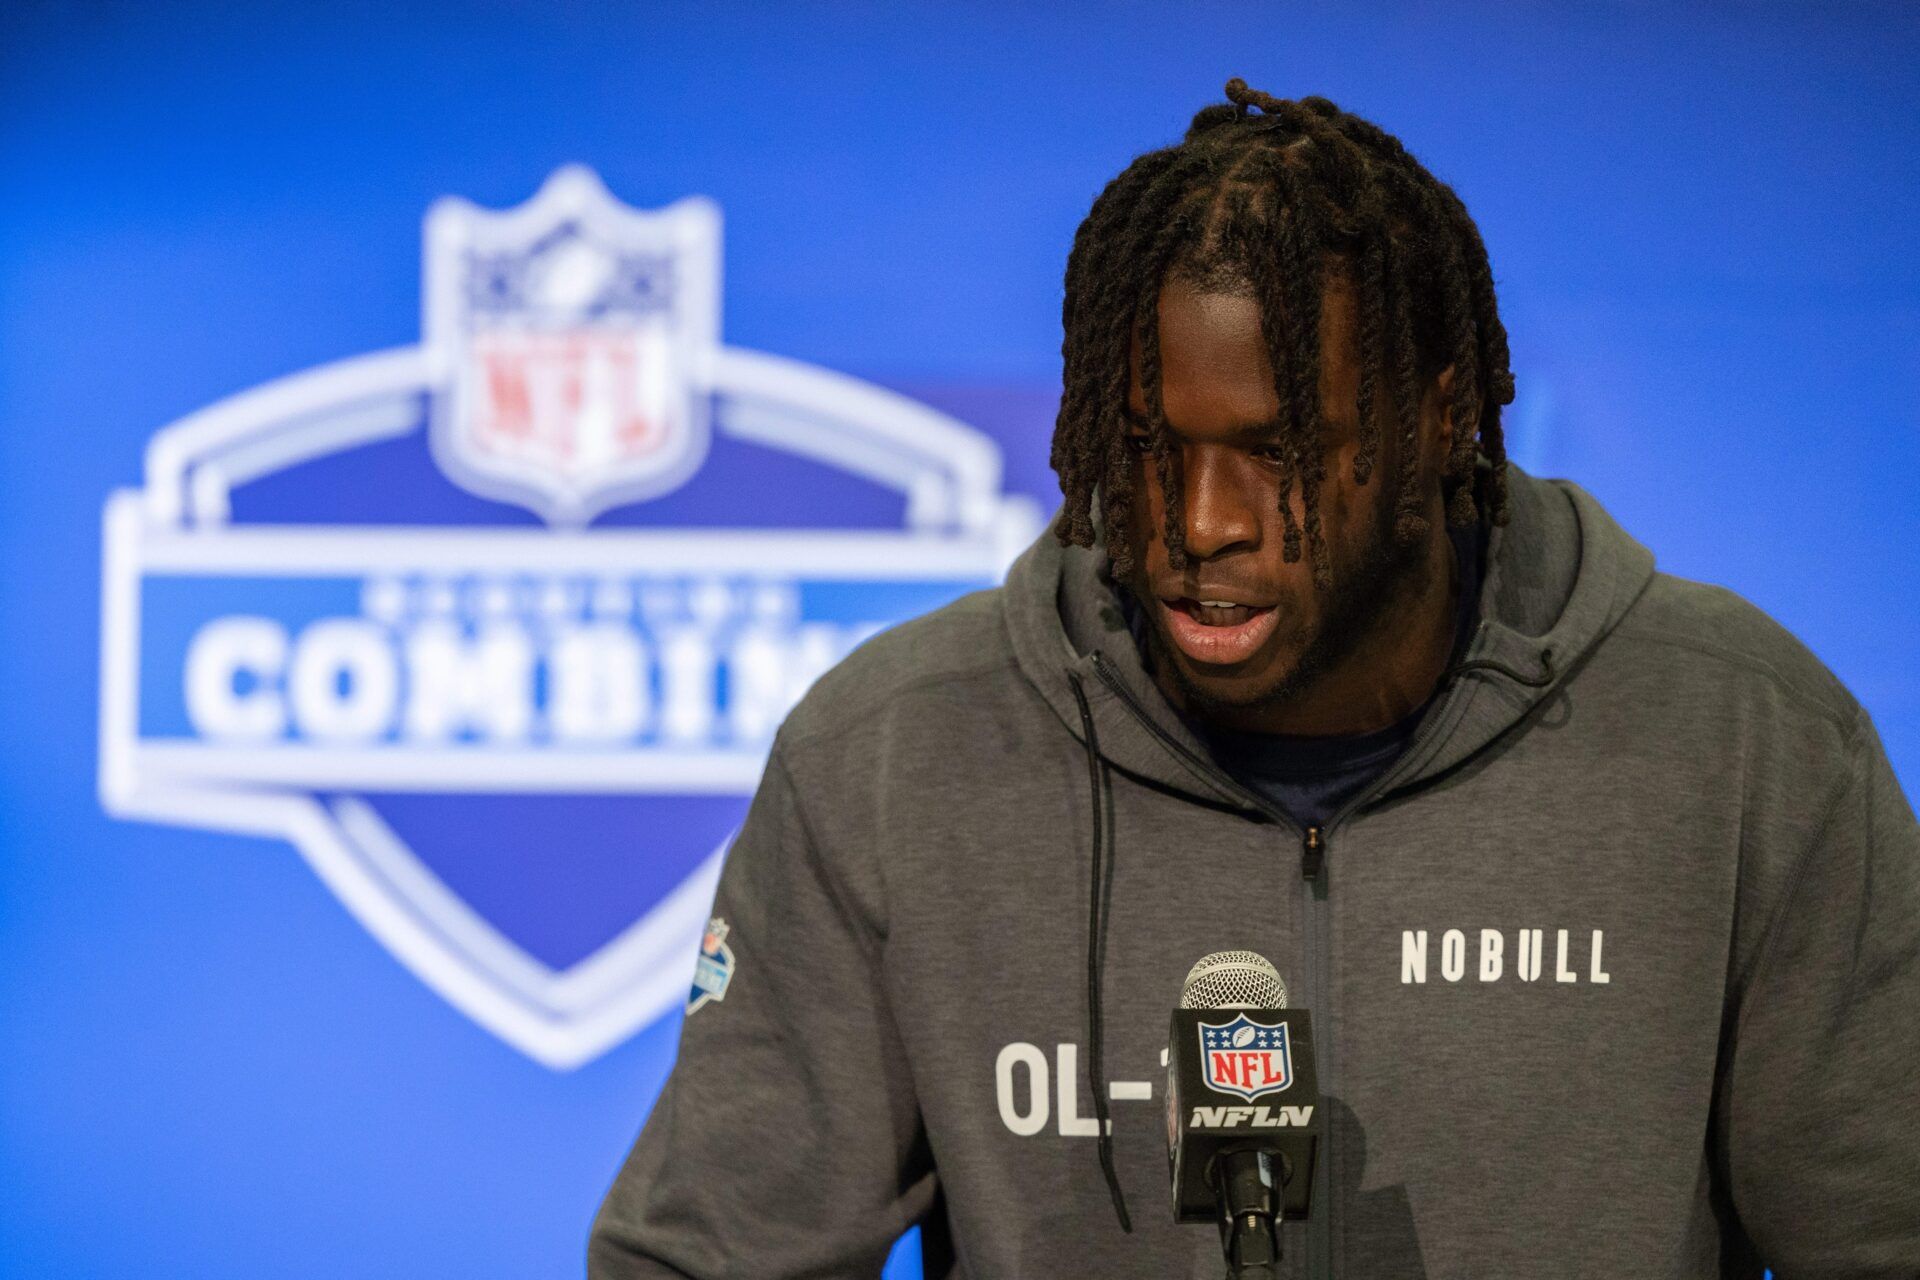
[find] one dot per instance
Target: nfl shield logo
(1248, 1058)
(576, 337)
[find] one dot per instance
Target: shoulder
(1742, 717)
(936, 658)
(888, 726)
(1720, 638)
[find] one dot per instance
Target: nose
(1220, 510)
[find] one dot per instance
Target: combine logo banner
(516, 747)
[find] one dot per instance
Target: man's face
(1240, 631)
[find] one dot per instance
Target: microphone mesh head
(1234, 980)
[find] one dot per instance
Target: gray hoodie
(1615, 972)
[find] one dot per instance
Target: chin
(1229, 695)
(1258, 682)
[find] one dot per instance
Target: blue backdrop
(220, 1064)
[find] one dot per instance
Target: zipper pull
(1313, 853)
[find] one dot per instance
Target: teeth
(1220, 604)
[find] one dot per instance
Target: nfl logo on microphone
(1244, 1057)
(495, 630)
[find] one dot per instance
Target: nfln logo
(496, 630)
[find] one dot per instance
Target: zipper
(1318, 937)
(1314, 842)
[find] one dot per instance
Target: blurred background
(291, 984)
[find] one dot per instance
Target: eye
(1272, 454)
(1140, 442)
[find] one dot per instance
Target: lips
(1216, 631)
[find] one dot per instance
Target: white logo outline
(959, 524)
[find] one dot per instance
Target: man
(1598, 885)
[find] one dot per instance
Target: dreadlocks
(1274, 203)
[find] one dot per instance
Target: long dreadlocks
(1272, 202)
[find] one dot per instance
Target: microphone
(1241, 1101)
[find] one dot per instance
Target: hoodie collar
(1560, 574)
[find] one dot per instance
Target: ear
(1436, 419)
(1443, 389)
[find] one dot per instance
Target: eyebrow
(1249, 432)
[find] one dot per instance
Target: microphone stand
(1250, 1185)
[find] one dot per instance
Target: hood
(1560, 574)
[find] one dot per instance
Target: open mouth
(1217, 631)
(1216, 613)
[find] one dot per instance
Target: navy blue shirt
(1310, 777)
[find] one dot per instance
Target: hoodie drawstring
(1546, 665)
(1100, 787)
